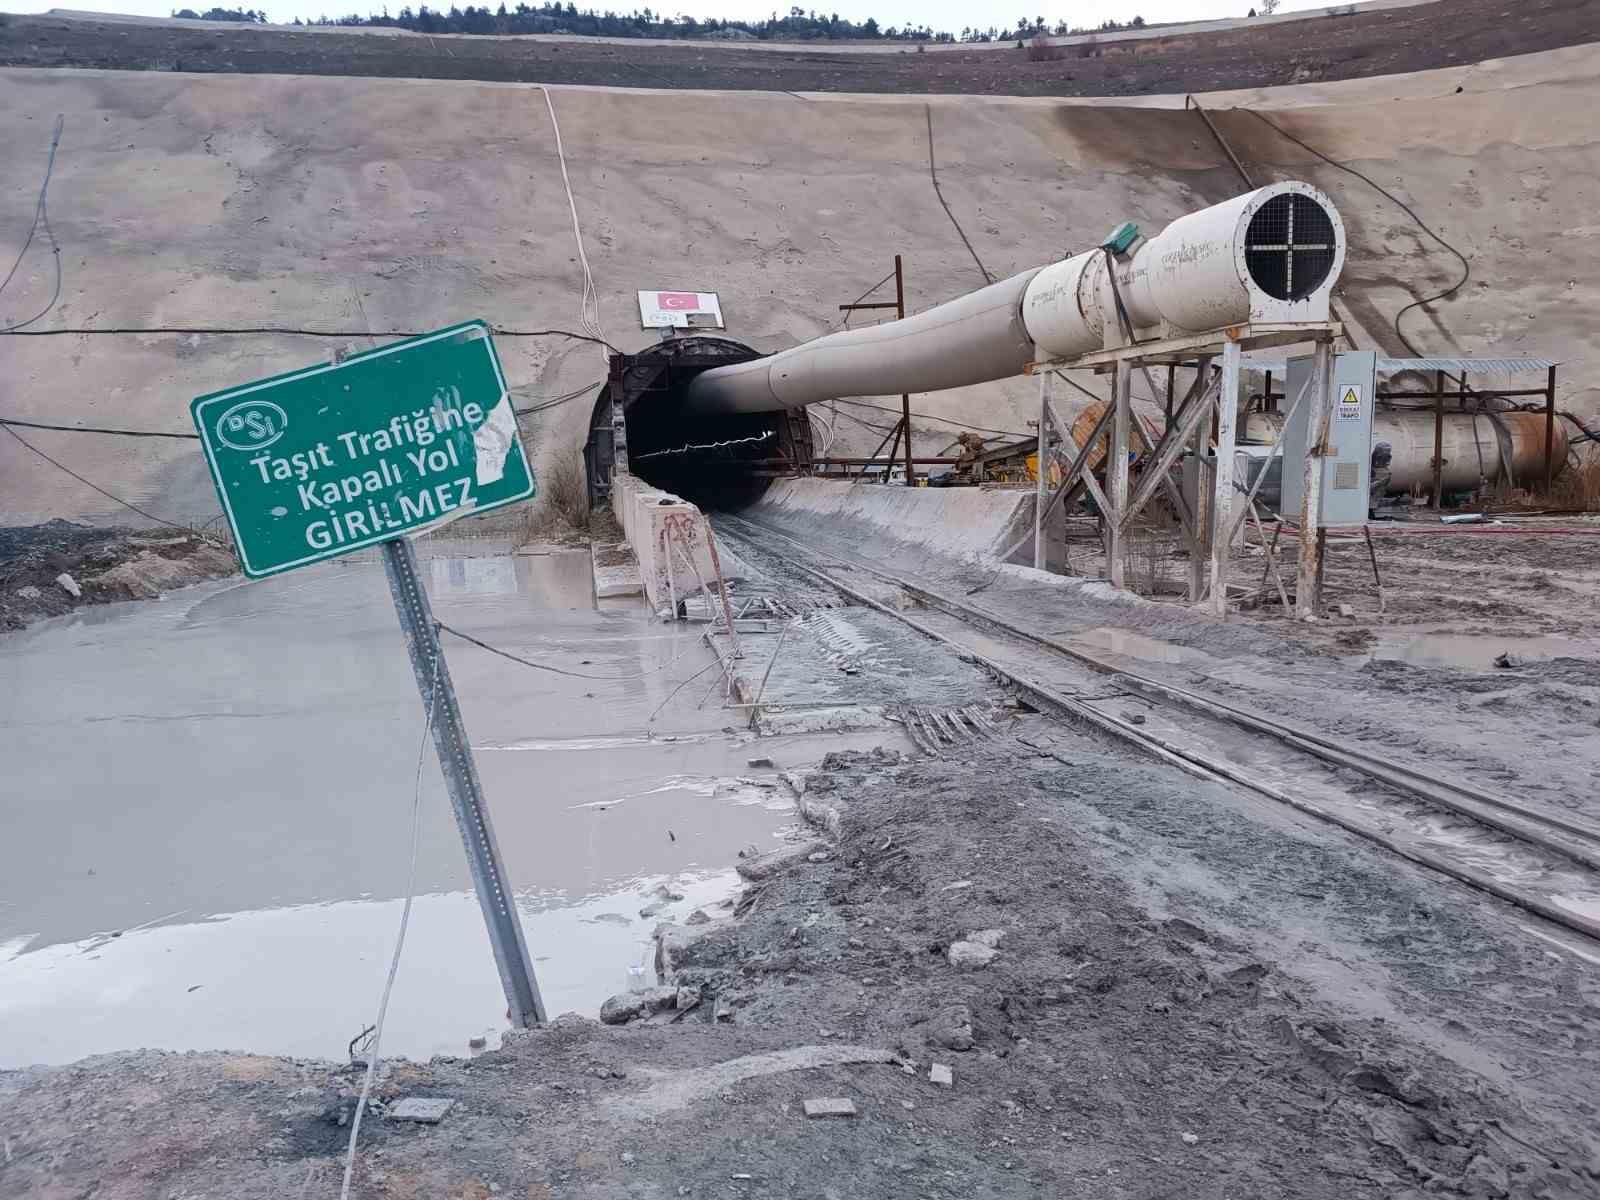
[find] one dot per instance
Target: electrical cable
(589, 302)
(400, 940)
(553, 401)
(848, 313)
(716, 662)
(930, 417)
(760, 437)
(137, 433)
(934, 175)
(41, 216)
(1466, 267)
(527, 662)
(87, 483)
(290, 331)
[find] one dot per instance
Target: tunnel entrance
(716, 462)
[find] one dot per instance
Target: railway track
(1545, 863)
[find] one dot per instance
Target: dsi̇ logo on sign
(251, 425)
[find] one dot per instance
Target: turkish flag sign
(678, 301)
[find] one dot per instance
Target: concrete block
(830, 1107)
(764, 866)
(654, 520)
(422, 1110)
(969, 956)
(940, 1075)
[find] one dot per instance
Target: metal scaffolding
(1207, 517)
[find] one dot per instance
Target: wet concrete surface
(208, 802)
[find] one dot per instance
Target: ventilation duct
(1271, 255)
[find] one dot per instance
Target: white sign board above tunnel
(680, 310)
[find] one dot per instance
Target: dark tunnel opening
(718, 462)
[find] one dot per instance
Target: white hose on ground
(399, 942)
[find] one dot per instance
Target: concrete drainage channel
(1546, 864)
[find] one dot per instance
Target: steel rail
(1506, 816)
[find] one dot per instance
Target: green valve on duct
(1120, 238)
(326, 460)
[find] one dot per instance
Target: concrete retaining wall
(654, 520)
(953, 522)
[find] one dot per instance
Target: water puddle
(1136, 646)
(1477, 652)
(208, 801)
(304, 979)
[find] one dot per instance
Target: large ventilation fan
(1289, 246)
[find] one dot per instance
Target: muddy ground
(58, 566)
(1128, 1038)
(1345, 47)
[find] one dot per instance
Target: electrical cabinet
(1347, 467)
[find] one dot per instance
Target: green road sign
(320, 462)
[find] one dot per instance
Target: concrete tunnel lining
(716, 460)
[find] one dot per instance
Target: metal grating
(1346, 476)
(1289, 246)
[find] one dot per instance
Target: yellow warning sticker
(1349, 403)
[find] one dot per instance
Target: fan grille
(1289, 246)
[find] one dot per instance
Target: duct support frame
(1206, 518)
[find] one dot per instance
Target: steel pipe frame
(1230, 343)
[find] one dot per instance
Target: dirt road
(1346, 47)
(1124, 1040)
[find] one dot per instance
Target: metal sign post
(450, 741)
(337, 456)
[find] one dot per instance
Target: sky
(951, 15)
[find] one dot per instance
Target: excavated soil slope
(192, 201)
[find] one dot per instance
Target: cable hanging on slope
(291, 331)
(589, 303)
(934, 175)
(41, 216)
(1466, 267)
(88, 483)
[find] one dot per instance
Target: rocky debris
(661, 896)
(824, 814)
(975, 950)
(698, 917)
(1189, 1139)
(697, 944)
(760, 867)
(422, 1110)
(50, 569)
(795, 781)
(969, 956)
(630, 1006)
(687, 998)
(952, 1028)
(830, 1107)
(940, 1075)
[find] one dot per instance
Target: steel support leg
(1043, 459)
(1222, 485)
(450, 742)
(1117, 475)
(1307, 599)
(1200, 548)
